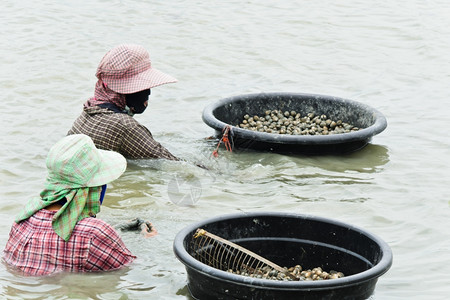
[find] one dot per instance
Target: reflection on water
(65, 285)
(370, 159)
(367, 160)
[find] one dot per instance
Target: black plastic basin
(230, 111)
(288, 240)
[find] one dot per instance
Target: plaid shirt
(118, 132)
(36, 249)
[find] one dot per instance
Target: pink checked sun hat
(127, 69)
(75, 160)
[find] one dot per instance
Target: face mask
(102, 194)
(136, 102)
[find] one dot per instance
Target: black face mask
(136, 101)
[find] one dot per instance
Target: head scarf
(82, 202)
(103, 95)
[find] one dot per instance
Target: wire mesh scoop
(224, 255)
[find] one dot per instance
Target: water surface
(391, 55)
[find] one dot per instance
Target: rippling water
(391, 55)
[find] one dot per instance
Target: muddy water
(391, 55)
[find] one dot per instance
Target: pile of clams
(293, 123)
(297, 271)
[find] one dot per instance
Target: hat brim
(112, 165)
(144, 80)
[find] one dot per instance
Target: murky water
(391, 55)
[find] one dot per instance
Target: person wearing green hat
(58, 231)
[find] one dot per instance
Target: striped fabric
(34, 248)
(119, 132)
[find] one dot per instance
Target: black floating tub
(287, 240)
(230, 112)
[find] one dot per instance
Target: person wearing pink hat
(125, 77)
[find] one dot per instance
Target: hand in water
(148, 230)
(136, 224)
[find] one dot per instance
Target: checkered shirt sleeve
(106, 250)
(138, 142)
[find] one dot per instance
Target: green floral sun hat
(76, 172)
